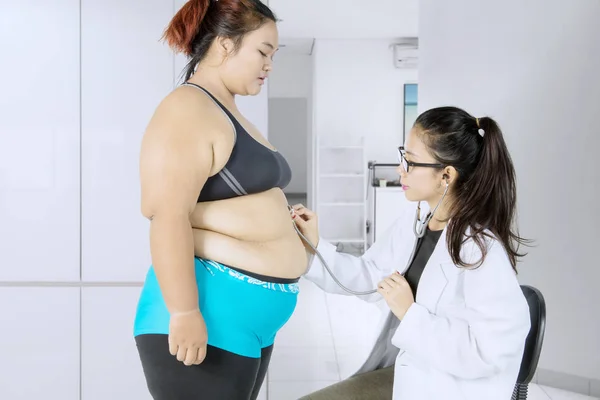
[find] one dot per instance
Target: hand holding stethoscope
(397, 294)
(394, 288)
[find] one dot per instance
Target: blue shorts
(242, 314)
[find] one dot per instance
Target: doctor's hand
(307, 223)
(397, 293)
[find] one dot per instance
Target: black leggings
(221, 376)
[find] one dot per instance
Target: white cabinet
(386, 205)
(39, 343)
(341, 194)
(110, 365)
(39, 141)
(125, 75)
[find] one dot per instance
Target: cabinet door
(110, 365)
(39, 343)
(391, 204)
(39, 140)
(126, 72)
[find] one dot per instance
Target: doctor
(456, 320)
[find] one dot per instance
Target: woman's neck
(440, 219)
(207, 78)
(435, 225)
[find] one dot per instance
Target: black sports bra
(251, 168)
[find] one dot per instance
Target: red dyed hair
(185, 25)
(199, 22)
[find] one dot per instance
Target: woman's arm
(356, 273)
(175, 162)
(487, 337)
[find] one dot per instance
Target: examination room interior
(348, 80)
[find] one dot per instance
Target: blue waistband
(214, 267)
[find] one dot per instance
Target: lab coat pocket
(417, 381)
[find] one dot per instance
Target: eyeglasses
(407, 164)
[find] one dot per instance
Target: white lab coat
(464, 337)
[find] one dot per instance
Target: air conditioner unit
(406, 53)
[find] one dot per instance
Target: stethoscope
(419, 229)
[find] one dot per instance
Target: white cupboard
(39, 140)
(39, 343)
(125, 74)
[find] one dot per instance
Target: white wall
(125, 74)
(358, 92)
(534, 67)
(290, 97)
(292, 75)
(73, 243)
(288, 123)
(343, 19)
(39, 141)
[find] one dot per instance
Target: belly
(254, 233)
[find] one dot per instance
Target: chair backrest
(535, 338)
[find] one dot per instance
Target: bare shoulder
(177, 128)
(189, 117)
(184, 112)
(176, 154)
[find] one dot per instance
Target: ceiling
(345, 19)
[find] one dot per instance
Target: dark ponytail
(193, 29)
(484, 195)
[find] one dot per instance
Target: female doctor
(456, 320)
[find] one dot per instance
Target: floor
(321, 344)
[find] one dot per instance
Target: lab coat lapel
(440, 270)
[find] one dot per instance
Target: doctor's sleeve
(491, 334)
(356, 273)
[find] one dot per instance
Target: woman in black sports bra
(226, 258)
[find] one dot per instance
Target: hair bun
(185, 25)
